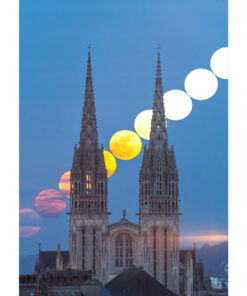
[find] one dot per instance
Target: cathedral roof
(47, 259)
(124, 223)
(134, 282)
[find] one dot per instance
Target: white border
(9, 116)
(237, 146)
(9, 156)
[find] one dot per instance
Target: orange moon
(64, 184)
(110, 163)
(125, 145)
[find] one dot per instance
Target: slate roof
(47, 259)
(135, 282)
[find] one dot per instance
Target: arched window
(83, 247)
(94, 247)
(146, 188)
(102, 189)
(158, 184)
(124, 251)
(173, 188)
(119, 252)
(128, 252)
(89, 179)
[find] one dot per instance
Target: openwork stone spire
(89, 134)
(158, 128)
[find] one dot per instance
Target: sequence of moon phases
(143, 122)
(219, 63)
(201, 84)
(50, 203)
(64, 184)
(177, 103)
(110, 163)
(125, 145)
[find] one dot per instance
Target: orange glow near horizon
(125, 145)
(204, 238)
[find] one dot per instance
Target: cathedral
(153, 243)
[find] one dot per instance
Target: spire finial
(89, 45)
(124, 214)
(158, 46)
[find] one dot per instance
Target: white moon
(142, 124)
(201, 84)
(177, 103)
(219, 63)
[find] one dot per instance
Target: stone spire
(172, 159)
(89, 133)
(158, 135)
(59, 259)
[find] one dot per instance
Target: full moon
(125, 145)
(201, 84)
(64, 184)
(219, 63)
(178, 104)
(50, 203)
(142, 124)
(110, 163)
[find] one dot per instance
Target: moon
(50, 203)
(125, 145)
(177, 103)
(110, 163)
(27, 231)
(64, 184)
(27, 214)
(201, 84)
(219, 63)
(143, 122)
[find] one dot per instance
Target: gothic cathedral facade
(94, 244)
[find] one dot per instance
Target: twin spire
(89, 134)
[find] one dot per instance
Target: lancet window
(83, 247)
(124, 251)
(89, 179)
(158, 184)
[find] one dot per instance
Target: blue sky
(124, 36)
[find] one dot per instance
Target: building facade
(94, 244)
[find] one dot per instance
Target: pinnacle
(158, 126)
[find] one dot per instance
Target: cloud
(50, 203)
(27, 231)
